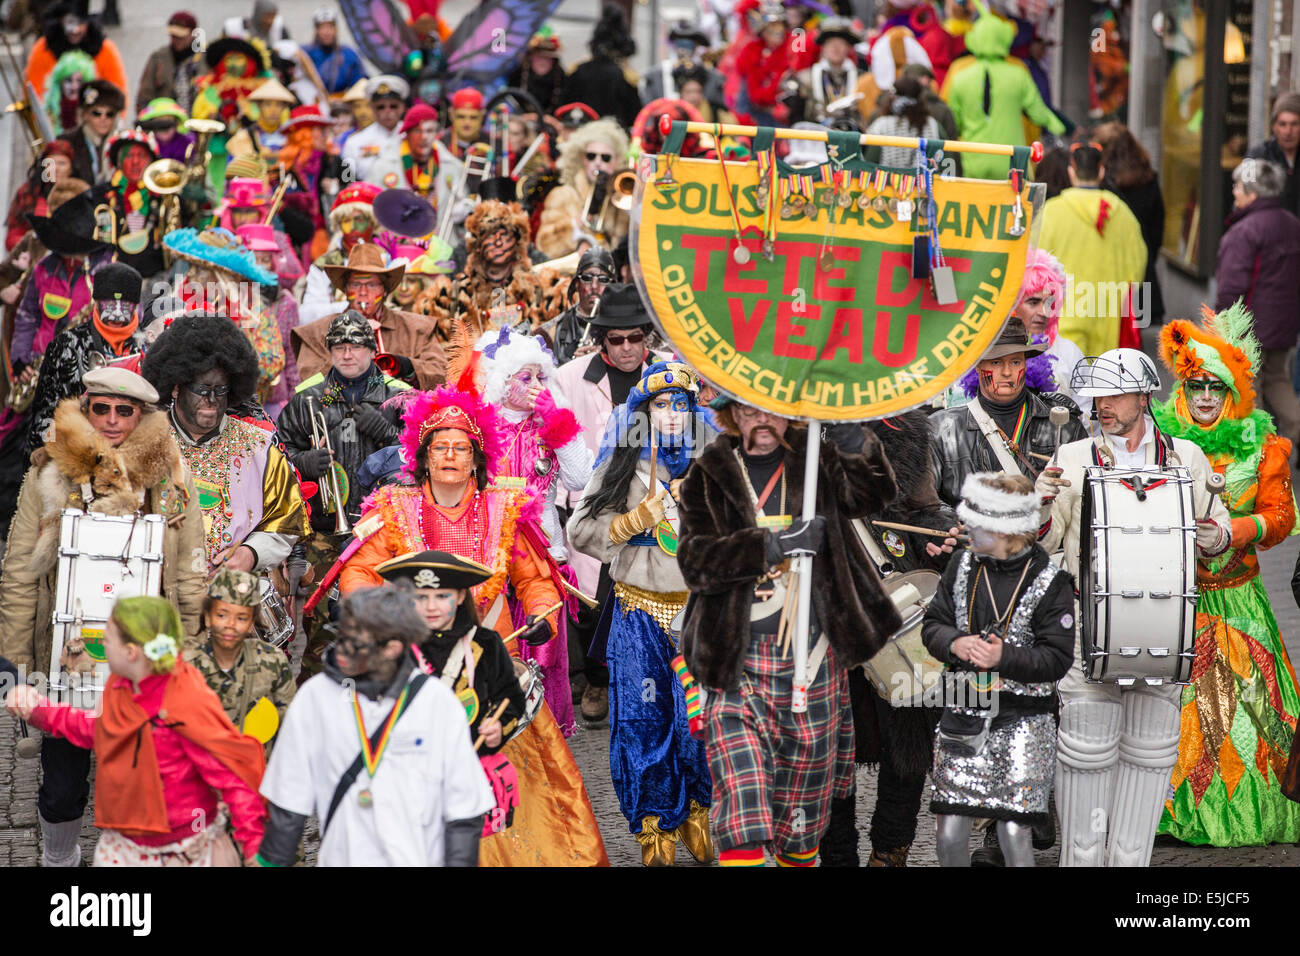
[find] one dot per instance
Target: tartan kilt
(775, 771)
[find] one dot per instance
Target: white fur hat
(505, 352)
(992, 509)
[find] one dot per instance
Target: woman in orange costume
(452, 444)
(1239, 710)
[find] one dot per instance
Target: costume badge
(469, 700)
(776, 522)
(1067, 620)
(894, 543)
(55, 306)
(666, 538)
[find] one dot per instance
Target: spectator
(1054, 170)
(69, 27)
(1259, 260)
(903, 113)
(162, 70)
(1281, 149)
(1130, 176)
(602, 82)
(53, 167)
(1099, 243)
(339, 66)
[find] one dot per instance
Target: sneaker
(595, 704)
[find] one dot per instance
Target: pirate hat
(70, 229)
(434, 569)
(1013, 338)
(218, 50)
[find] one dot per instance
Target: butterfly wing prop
(489, 41)
(381, 32)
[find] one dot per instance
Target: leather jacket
(958, 448)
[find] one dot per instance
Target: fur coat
(557, 234)
(722, 555)
(79, 469)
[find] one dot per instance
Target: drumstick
(589, 601)
(495, 715)
(916, 529)
(1214, 484)
(547, 613)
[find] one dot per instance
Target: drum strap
(816, 656)
(463, 651)
(994, 437)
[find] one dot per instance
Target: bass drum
(903, 670)
(1137, 576)
(273, 621)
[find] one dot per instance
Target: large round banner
(823, 292)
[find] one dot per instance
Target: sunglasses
(593, 278)
(603, 157)
(461, 449)
(103, 408)
(632, 338)
(209, 393)
(103, 114)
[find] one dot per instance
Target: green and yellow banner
(794, 290)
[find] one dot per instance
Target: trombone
(609, 189)
(332, 497)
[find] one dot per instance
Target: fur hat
(504, 352)
(117, 280)
(989, 508)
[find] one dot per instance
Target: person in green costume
(1239, 709)
(988, 97)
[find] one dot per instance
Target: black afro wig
(194, 344)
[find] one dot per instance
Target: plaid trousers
(775, 771)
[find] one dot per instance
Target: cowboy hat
(368, 258)
(1013, 338)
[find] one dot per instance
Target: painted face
(201, 404)
(236, 64)
(1033, 311)
(499, 247)
(351, 360)
(74, 28)
(71, 87)
(438, 606)
(1120, 414)
(365, 293)
(1002, 379)
(760, 431)
(1205, 399)
(598, 158)
(669, 412)
(134, 162)
(115, 312)
(450, 458)
(467, 124)
(113, 417)
(521, 383)
(230, 624)
(421, 139)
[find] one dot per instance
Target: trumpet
(332, 497)
(623, 187)
(21, 394)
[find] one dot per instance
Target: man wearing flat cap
(110, 452)
(408, 340)
(106, 338)
(382, 139)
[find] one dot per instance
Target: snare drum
(273, 620)
(903, 670)
(1137, 576)
(529, 675)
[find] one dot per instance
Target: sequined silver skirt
(1009, 779)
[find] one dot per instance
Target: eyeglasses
(595, 278)
(103, 408)
(443, 449)
(632, 338)
(1209, 387)
(364, 285)
(603, 157)
(103, 114)
(209, 393)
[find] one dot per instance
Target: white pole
(799, 694)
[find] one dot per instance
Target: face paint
(668, 414)
(1205, 399)
(115, 312)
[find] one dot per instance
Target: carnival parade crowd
(368, 360)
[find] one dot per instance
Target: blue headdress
(627, 425)
(219, 248)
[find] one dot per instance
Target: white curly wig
(503, 353)
(574, 149)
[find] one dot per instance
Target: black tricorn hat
(621, 308)
(117, 280)
(70, 229)
(219, 48)
(403, 212)
(500, 188)
(434, 569)
(1013, 338)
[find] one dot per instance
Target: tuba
(166, 178)
(196, 157)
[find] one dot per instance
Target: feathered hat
(1223, 346)
(449, 407)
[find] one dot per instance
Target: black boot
(1044, 834)
(839, 845)
(990, 854)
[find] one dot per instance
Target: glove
(539, 630)
(405, 369)
(1212, 537)
(848, 437)
(545, 404)
(802, 537)
(314, 462)
(641, 518)
(372, 423)
(1048, 486)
